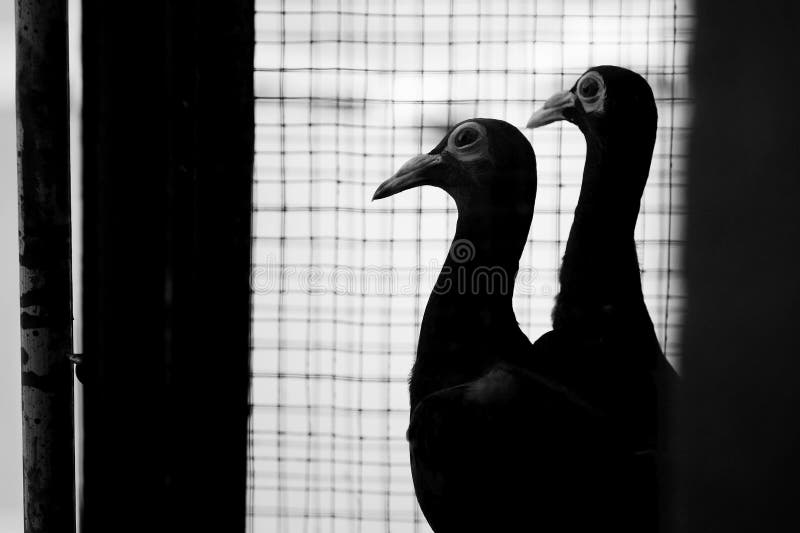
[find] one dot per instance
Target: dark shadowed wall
(168, 163)
(742, 344)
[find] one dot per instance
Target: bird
(603, 341)
(496, 442)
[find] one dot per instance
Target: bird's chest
(452, 355)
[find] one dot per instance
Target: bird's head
(606, 101)
(484, 164)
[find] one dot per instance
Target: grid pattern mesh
(348, 90)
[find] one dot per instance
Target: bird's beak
(553, 109)
(424, 169)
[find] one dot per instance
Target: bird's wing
(622, 377)
(509, 450)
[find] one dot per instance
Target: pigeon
(603, 342)
(496, 442)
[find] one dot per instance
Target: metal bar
(45, 263)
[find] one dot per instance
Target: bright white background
(10, 424)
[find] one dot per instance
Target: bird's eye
(468, 141)
(590, 87)
(465, 137)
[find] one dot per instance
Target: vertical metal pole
(44, 257)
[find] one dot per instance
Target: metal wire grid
(346, 91)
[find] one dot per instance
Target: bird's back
(513, 451)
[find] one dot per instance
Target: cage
(345, 92)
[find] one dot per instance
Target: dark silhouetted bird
(603, 342)
(498, 442)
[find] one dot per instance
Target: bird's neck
(469, 321)
(480, 268)
(600, 269)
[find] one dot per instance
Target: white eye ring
(470, 133)
(591, 90)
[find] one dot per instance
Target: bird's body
(603, 340)
(501, 437)
(496, 444)
(512, 451)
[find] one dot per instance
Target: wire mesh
(346, 91)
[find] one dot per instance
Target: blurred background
(10, 389)
(345, 93)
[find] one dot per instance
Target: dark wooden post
(168, 163)
(45, 265)
(741, 412)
